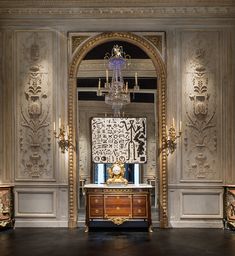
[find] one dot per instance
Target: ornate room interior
(177, 85)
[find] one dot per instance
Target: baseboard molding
(40, 224)
(81, 224)
(196, 224)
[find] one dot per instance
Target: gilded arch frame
(160, 68)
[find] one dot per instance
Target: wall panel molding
(197, 224)
(35, 203)
(201, 105)
(201, 204)
(34, 105)
(42, 223)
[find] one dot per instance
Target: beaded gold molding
(160, 67)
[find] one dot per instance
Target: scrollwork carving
(200, 140)
(34, 111)
(35, 126)
(77, 40)
(156, 41)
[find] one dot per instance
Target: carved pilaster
(34, 106)
(201, 160)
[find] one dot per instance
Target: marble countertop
(118, 186)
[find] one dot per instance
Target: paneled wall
(203, 157)
(29, 157)
(200, 92)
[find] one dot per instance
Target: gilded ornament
(118, 220)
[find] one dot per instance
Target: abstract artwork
(119, 139)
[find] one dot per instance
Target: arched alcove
(160, 68)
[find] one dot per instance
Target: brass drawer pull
(96, 201)
(96, 211)
(117, 208)
(139, 201)
(139, 211)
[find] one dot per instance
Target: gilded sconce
(62, 137)
(172, 136)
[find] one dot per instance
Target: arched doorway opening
(160, 69)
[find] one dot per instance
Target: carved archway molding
(160, 68)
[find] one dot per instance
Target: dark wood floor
(62, 241)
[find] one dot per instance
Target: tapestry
(119, 140)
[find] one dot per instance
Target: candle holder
(62, 139)
(171, 137)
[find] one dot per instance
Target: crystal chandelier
(116, 92)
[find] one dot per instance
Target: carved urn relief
(200, 139)
(35, 106)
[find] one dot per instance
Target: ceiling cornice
(112, 3)
(120, 12)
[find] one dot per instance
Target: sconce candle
(68, 130)
(59, 122)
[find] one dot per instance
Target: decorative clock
(116, 174)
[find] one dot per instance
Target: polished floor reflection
(62, 241)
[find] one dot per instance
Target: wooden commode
(118, 204)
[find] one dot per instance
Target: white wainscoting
(201, 204)
(39, 203)
(196, 207)
(41, 206)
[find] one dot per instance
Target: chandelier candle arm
(99, 92)
(136, 79)
(107, 77)
(126, 87)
